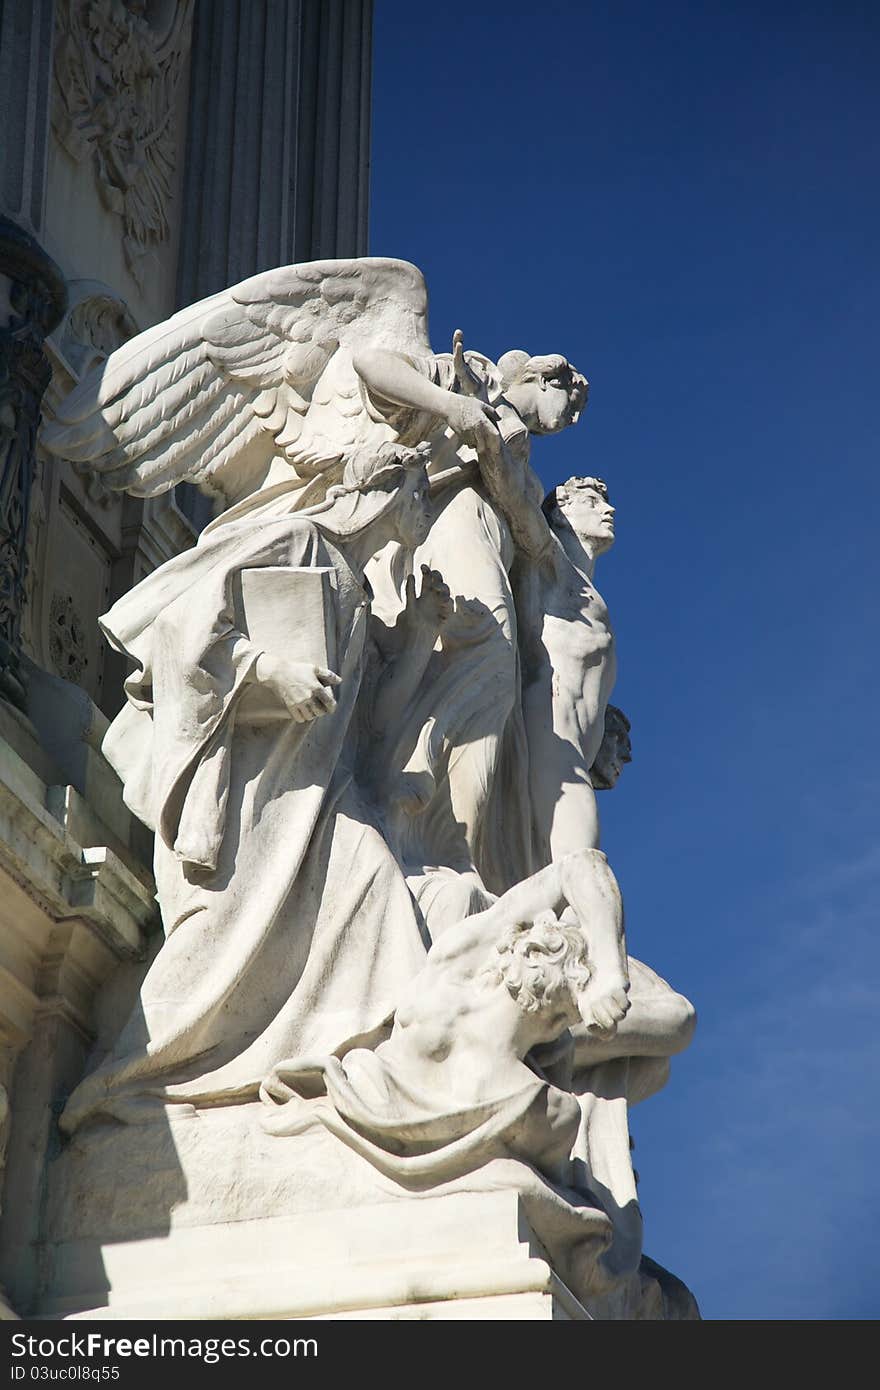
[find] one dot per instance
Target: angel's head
(546, 392)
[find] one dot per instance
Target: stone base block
(208, 1216)
(458, 1256)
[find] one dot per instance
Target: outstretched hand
(300, 685)
(475, 422)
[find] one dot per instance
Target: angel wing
(213, 393)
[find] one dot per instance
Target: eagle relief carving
(117, 68)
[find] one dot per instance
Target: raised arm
(543, 892)
(581, 881)
(390, 377)
(515, 489)
(504, 465)
(464, 947)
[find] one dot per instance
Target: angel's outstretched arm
(389, 377)
(218, 391)
(509, 479)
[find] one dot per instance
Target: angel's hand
(468, 382)
(432, 606)
(475, 422)
(299, 685)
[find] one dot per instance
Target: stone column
(25, 74)
(278, 140)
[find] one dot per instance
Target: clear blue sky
(684, 198)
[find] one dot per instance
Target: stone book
(287, 608)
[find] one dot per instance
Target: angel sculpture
(288, 921)
(265, 390)
(336, 763)
(261, 394)
(238, 741)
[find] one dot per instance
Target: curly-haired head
(542, 964)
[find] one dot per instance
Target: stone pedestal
(390, 1260)
(204, 1215)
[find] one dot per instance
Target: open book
(285, 609)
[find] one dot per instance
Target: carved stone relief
(34, 304)
(97, 323)
(85, 540)
(67, 638)
(117, 69)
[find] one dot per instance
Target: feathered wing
(209, 395)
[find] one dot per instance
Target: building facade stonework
(154, 151)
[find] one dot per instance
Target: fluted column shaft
(277, 163)
(25, 75)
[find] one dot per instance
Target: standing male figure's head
(581, 505)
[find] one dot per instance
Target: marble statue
(452, 1080)
(253, 805)
(367, 717)
(569, 667)
(458, 814)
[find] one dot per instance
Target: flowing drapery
(288, 921)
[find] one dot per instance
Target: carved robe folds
(290, 928)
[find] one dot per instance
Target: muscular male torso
(569, 669)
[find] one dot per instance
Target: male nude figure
(462, 826)
(568, 667)
(568, 672)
